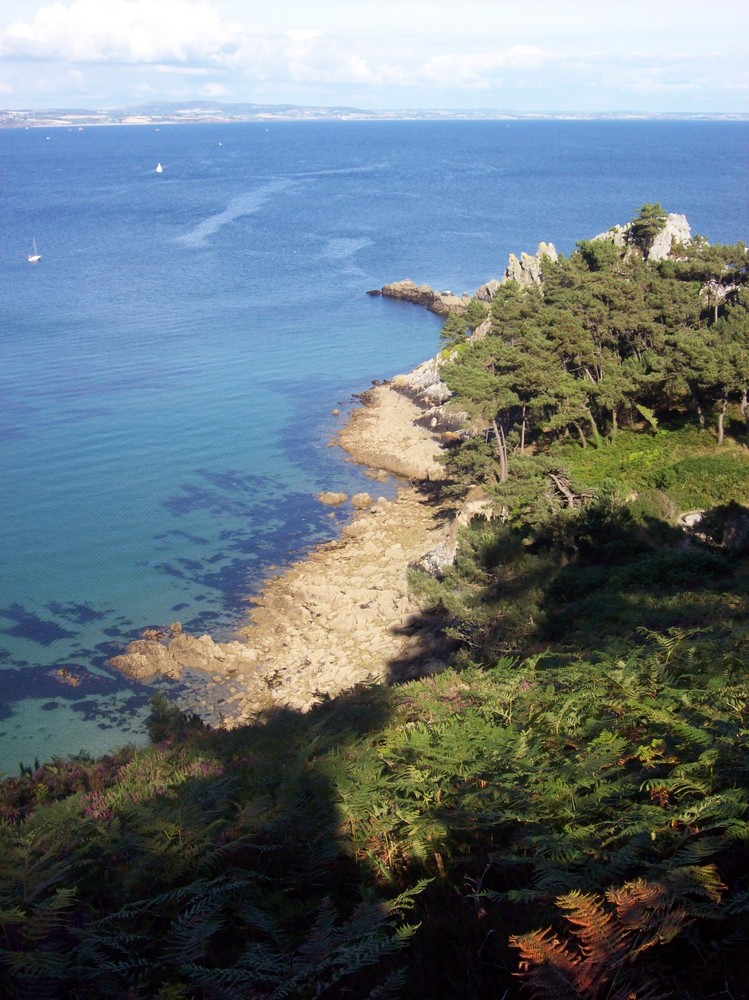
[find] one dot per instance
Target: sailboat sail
(35, 256)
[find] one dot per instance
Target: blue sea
(170, 368)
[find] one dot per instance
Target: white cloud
(213, 90)
(408, 53)
(303, 36)
(121, 31)
(481, 69)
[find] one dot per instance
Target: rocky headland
(527, 268)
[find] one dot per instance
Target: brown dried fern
(607, 935)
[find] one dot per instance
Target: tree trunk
(745, 407)
(721, 419)
(579, 430)
(522, 433)
(614, 424)
(499, 436)
(700, 413)
(593, 428)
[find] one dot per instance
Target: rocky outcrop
(676, 230)
(437, 560)
(340, 617)
(425, 387)
(441, 303)
(394, 432)
(423, 384)
(170, 656)
(526, 269)
(487, 291)
(344, 615)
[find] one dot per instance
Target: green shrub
(690, 568)
(705, 480)
(652, 505)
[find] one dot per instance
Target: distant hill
(173, 112)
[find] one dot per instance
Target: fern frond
(677, 787)
(191, 931)
(669, 642)
(41, 973)
(721, 812)
(319, 941)
(700, 880)
(602, 959)
(50, 915)
(695, 850)
(406, 900)
(391, 988)
(546, 966)
(598, 936)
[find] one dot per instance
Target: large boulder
(487, 291)
(145, 659)
(332, 498)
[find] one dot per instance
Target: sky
(505, 55)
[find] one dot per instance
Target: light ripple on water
(242, 205)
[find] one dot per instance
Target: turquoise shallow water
(168, 371)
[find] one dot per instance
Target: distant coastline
(210, 112)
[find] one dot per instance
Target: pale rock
(676, 230)
(526, 270)
(144, 659)
(332, 498)
(487, 291)
(441, 303)
(360, 501)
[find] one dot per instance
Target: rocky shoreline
(344, 614)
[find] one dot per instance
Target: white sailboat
(159, 168)
(34, 257)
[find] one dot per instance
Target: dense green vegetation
(563, 813)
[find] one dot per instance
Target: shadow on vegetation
(396, 841)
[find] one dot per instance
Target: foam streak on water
(169, 368)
